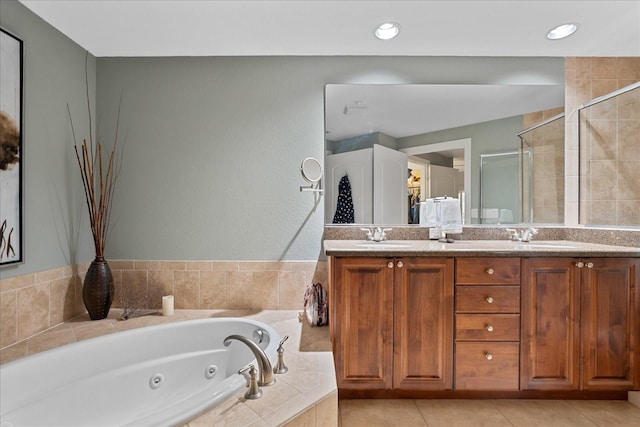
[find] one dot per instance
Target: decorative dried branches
(98, 179)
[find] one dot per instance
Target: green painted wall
(213, 149)
(56, 231)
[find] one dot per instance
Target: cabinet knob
(580, 264)
(489, 328)
(390, 264)
(489, 270)
(489, 300)
(589, 265)
(488, 356)
(400, 264)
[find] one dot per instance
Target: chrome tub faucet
(265, 370)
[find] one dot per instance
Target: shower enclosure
(609, 144)
(542, 171)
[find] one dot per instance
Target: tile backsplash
(35, 302)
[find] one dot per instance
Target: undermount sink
(382, 245)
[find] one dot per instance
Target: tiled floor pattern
(488, 413)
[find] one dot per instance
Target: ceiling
(405, 110)
(139, 28)
(323, 27)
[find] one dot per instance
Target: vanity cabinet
(580, 324)
(470, 326)
(392, 322)
(487, 332)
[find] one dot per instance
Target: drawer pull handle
(580, 264)
(589, 265)
(400, 264)
(390, 264)
(488, 356)
(489, 270)
(489, 328)
(489, 300)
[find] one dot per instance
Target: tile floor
(489, 413)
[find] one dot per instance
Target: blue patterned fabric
(344, 209)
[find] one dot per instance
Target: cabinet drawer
(487, 327)
(488, 271)
(488, 299)
(487, 366)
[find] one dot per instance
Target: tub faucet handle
(254, 391)
(280, 367)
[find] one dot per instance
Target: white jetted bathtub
(159, 375)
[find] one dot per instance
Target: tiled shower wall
(547, 175)
(587, 78)
(33, 303)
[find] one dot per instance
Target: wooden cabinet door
(363, 322)
(550, 324)
(423, 324)
(609, 319)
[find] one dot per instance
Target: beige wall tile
(629, 68)
(604, 68)
(327, 411)
(173, 265)
(33, 310)
(46, 276)
(306, 419)
(213, 290)
(161, 283)
(199, 265)
(249, 290)
(8, 318)
(628, 212)
(225, 266)
(117, 287)
(582, 68)
(135, 290)
(264, 266)
(186, 289)
(17, 282)
(122, 265)
(63, 297)
(291, 289)
(147, 265)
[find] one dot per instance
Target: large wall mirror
(399, 144)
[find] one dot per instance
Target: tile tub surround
(306, 395)
(33, 303)
(605, 236)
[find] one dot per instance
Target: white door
(443, 181)
(358, 165)
(390, 198)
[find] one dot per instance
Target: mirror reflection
(398, 145)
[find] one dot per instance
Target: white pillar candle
(167, 305)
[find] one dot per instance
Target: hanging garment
(344, 209)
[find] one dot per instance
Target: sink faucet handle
(515, 236)
(369, 233)
(527, 235)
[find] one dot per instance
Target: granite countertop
(466, 248)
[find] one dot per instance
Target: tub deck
(306, 395)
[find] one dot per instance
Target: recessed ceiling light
(387, 31)
(562, 31)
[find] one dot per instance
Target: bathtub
(158, 375)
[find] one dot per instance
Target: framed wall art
(11, 148)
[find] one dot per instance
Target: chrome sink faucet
(377, 234)
(265, 370)
(525, 235)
